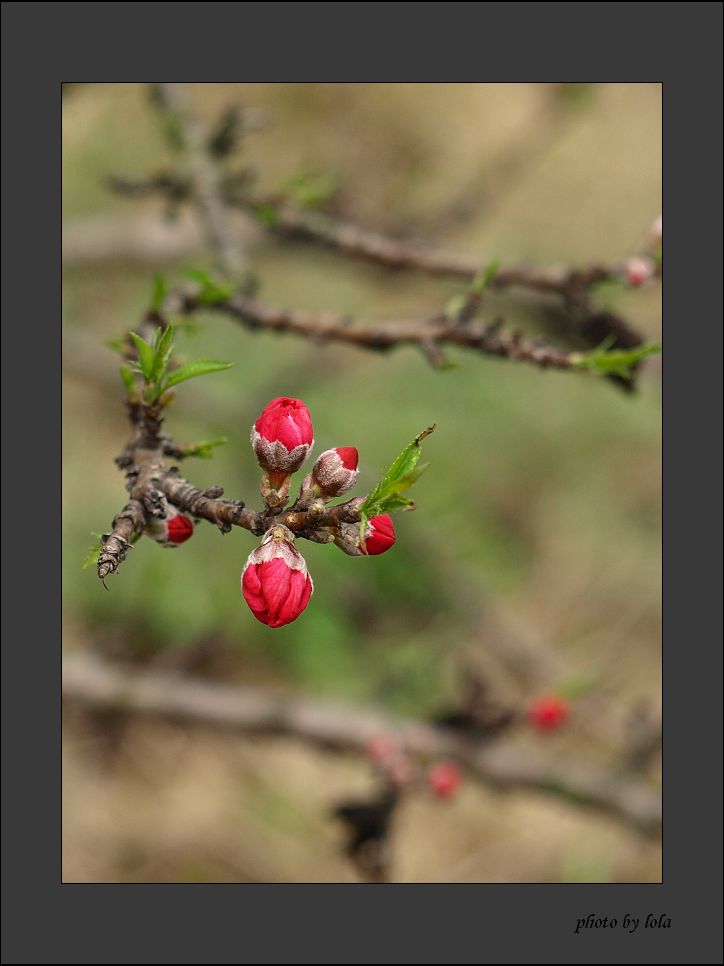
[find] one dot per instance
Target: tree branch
(127, 525)
(203, 178)
(214, 192)
(95, 683)
(290, 220)
(349, 239)
(427, 334)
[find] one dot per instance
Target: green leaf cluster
(604, 361)
(211, 292)
(153, 365)
(388, 494)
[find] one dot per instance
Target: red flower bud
(444, 779)
(275, 582)
(549, 712)
(282, 437)
(380, 748)
(175, 528)
(380, 534)
(335, 471)
(639, 270)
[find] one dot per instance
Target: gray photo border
(44, 44)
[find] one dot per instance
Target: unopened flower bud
(639, 270)
(380, 534)
(656, 233)
(380, 748)
(275, 582)
(282, 438)
(173, 529)
(549, 712)
(443, 779)
(335, 471)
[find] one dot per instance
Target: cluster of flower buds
(396, 767)
(171, 530)
(391, 760)
(275, 581)
(549, 712)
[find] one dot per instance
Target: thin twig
(203, 182)
(426, 334)
(292, 221)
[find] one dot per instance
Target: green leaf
(387, 495)
(91, 558)
(204, 449)
(485, 276)
(464, 303)
(129, 380)
(454, 306)
(200, 367)
(163, 347)
(308, 188)
(145, 355)
(266, 213)
(577, 686)
(160, 290)
(212, 292)
(94, 552)
(604, 361)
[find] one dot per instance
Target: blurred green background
(538, 519)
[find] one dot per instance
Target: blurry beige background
(537, 522)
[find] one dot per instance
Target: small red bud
(275, 582)
(380, 534)
(380, 748)
(549, 712)
(639, 270)
(173, 529)
(335, 471)
(444, 779)
(282, 438)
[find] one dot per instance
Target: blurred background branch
(204, 181)
(99, 685)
